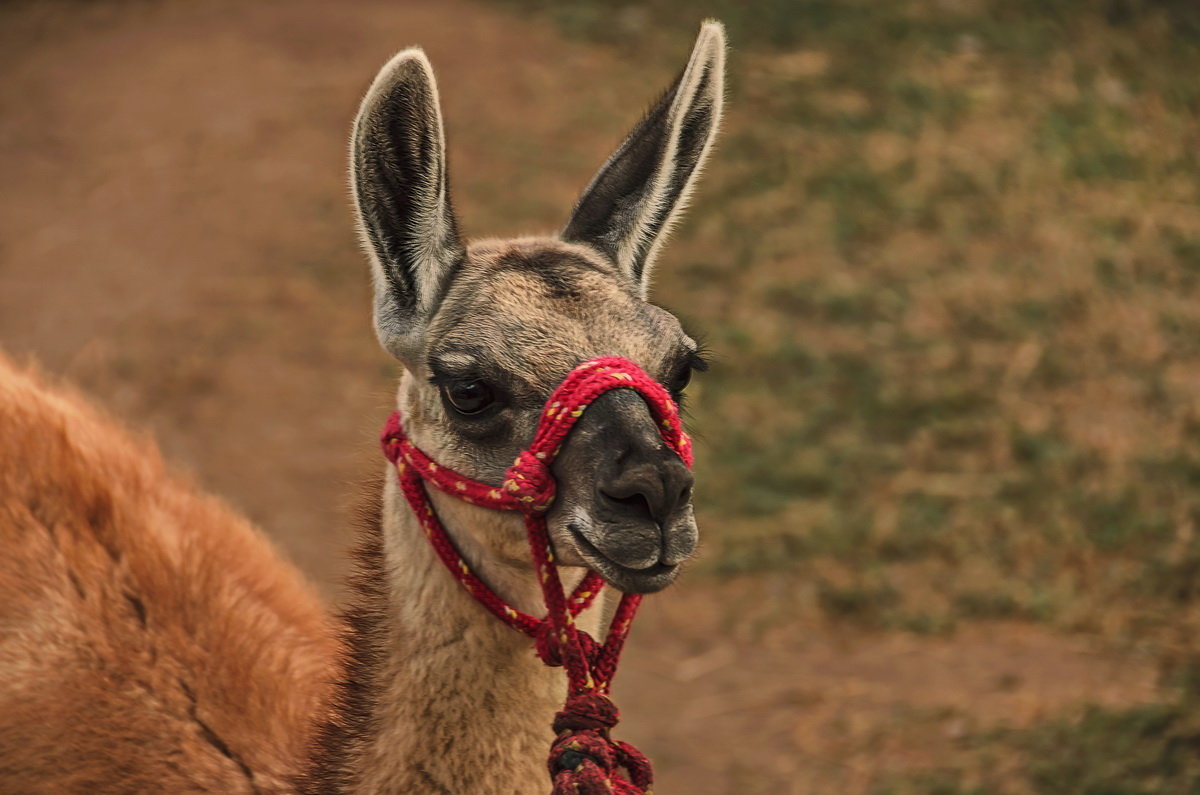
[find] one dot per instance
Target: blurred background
(947, 257)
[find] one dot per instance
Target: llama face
(517, 317)
(487, 331)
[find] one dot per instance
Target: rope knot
(390, 439)
(549, 647)
(585, 711)
(530, 481)
(584, 760)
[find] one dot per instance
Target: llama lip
(648, 580)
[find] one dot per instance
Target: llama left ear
(629, 208)
(402, 193)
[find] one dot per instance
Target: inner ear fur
(402, 197)
(630, 206)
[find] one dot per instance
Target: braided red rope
(584, 759)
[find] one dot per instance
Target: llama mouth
(624, 578)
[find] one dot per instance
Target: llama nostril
(685, 495)
(635, 502)
(651, 493)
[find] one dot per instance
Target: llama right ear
(629, 208)
(401, 192)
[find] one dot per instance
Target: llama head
(487, 330)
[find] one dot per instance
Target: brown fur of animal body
(151, 639)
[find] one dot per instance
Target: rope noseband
(584, 759)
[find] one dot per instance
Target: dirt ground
(175, 237)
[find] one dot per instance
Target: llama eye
(679, 382)
(469, 397)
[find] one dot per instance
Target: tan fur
(457, 703)
(151, 640)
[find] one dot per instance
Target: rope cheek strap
(584, 759)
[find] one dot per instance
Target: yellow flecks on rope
(460, 486)
(622, 376)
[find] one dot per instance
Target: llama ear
(640, 192)
(401, 192)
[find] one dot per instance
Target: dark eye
(469, 397)
(679, 382)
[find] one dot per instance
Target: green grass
(1151, 749)
(1145, 750)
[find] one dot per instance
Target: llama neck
(461, 703)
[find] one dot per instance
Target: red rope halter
(584, 759)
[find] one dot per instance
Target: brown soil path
(174, 236)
